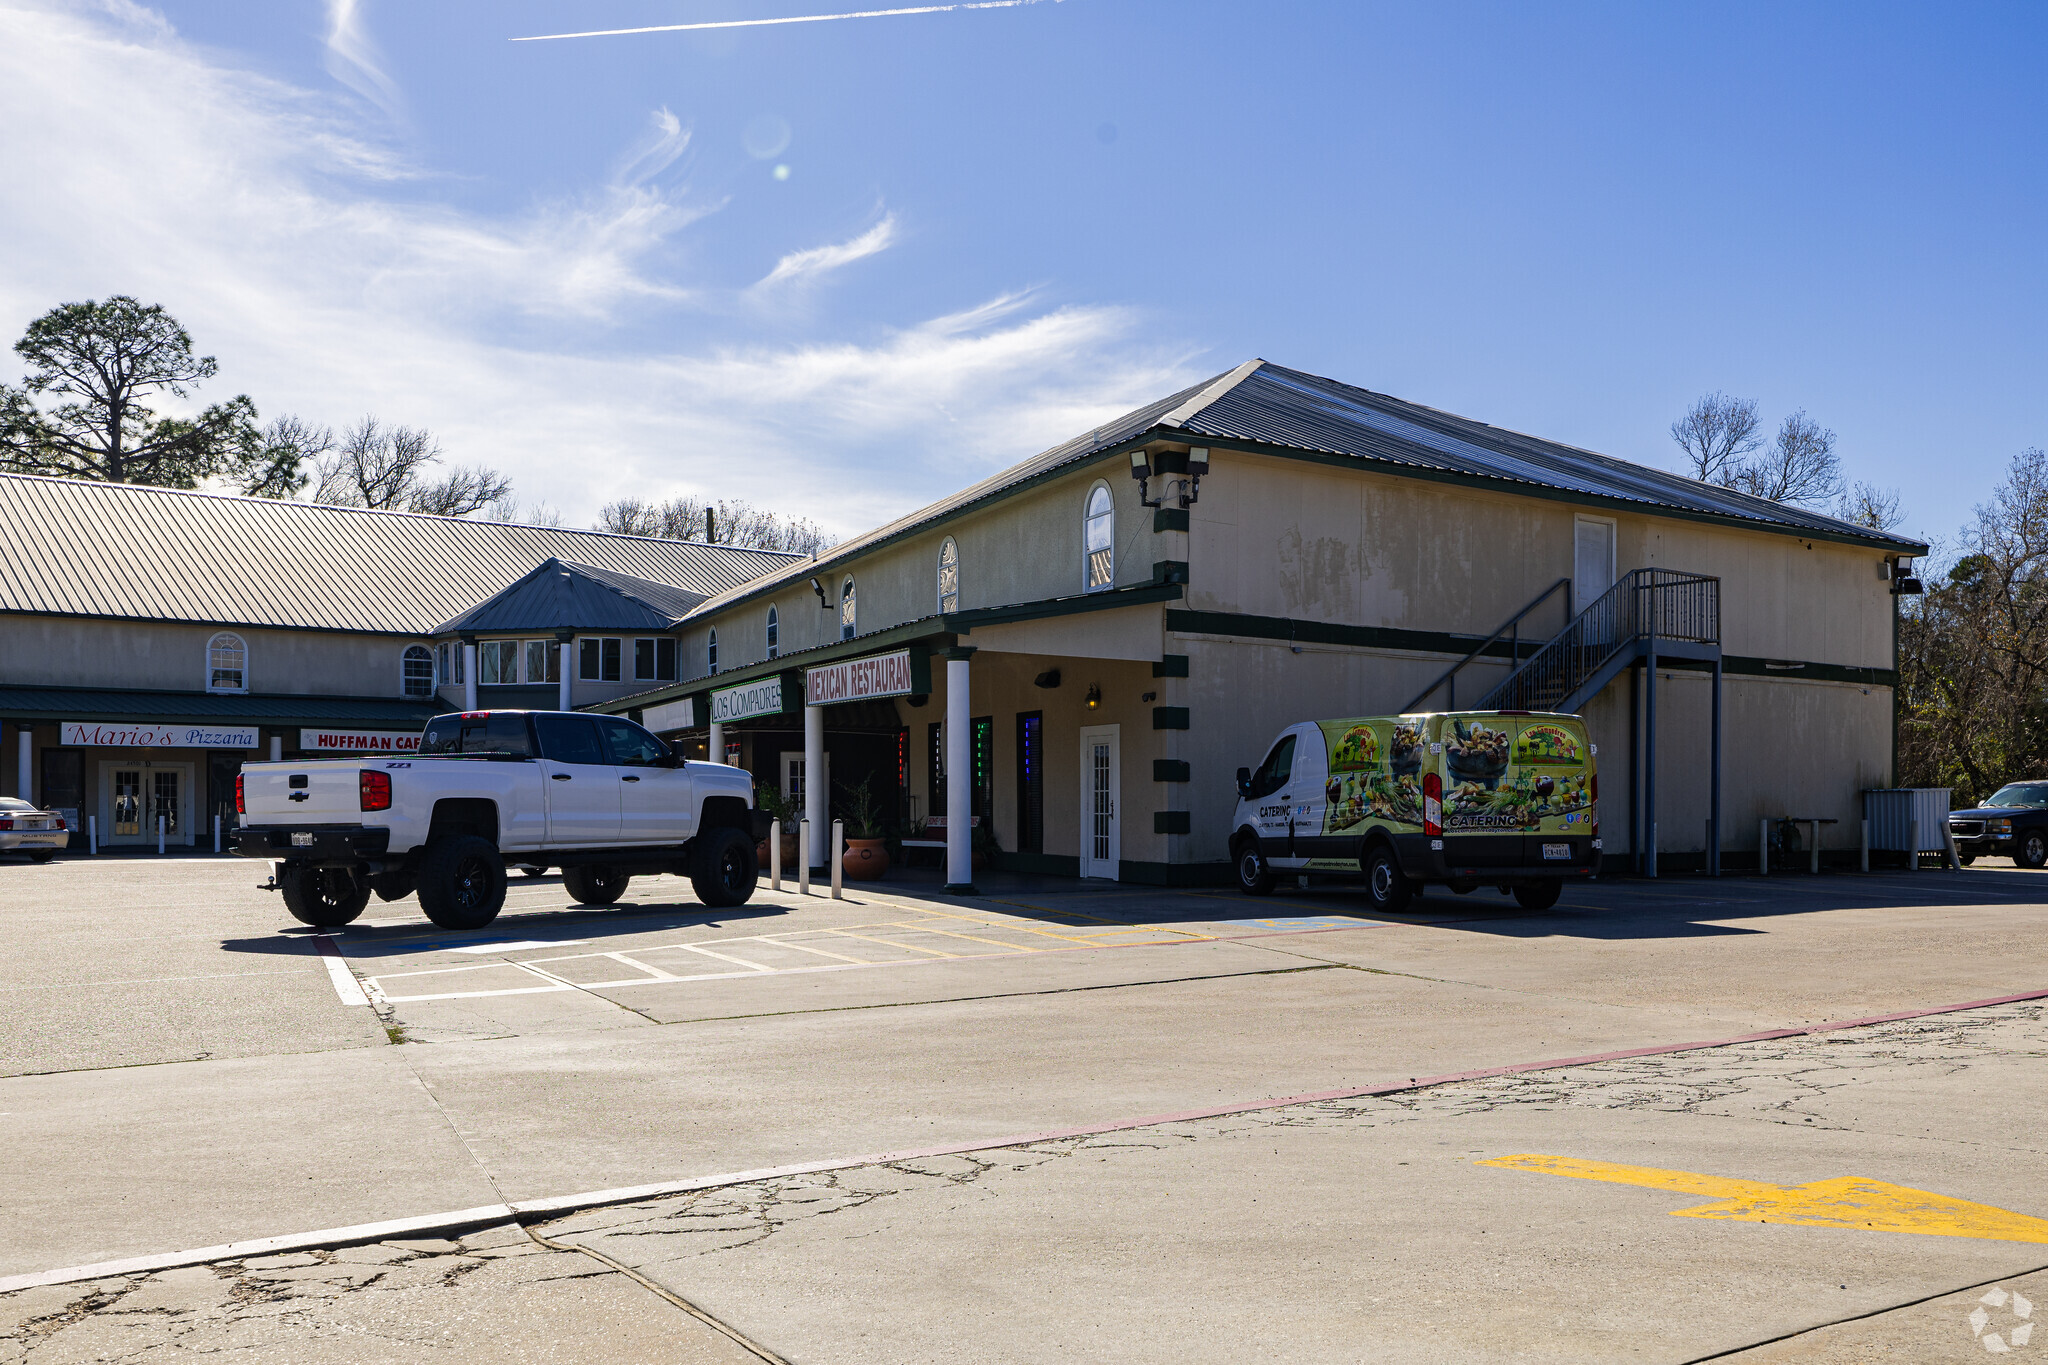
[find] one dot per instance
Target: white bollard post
(838, 852)
(1763, 848)
(277, 748)
(216, 833)
(774, 855)
(92, 834)
(1863, 847)
(1913, 840)
(803, 857)
(159, 836)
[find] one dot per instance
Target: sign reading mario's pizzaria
(878, 675)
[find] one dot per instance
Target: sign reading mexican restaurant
(360, 741)
(879, 675)
(763, 698)
(158, 736)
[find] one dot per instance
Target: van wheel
(1254, 877)
(324, 897)
(597, 884)
(462, 882)
(1386, 885)
(1539, 895)
(722, 867)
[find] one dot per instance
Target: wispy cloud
(818, 260)
(254, 211)
(352, 58)
(789, 19)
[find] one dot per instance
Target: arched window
(416, 669)
(774, 633)
(949, 576)
(227, 664)
(1098, 541)
(846, 615)
(711, 651)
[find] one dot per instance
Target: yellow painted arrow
(1845, 1202)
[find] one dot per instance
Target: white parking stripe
(345, 984)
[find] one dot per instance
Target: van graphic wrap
(1534, 780)
(1375, 768)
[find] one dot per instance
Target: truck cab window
(631, 746)
(569, 739)
(1274, 772)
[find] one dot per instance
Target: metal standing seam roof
(126, 551)
(557, 595)
(1266, 404)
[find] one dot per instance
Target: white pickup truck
(596, 796)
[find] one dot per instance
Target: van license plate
(306, 841)
(1557, 851)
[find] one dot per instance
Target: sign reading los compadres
(92, 732)
(763, 698)
(879, 675)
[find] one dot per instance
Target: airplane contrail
(793, 19)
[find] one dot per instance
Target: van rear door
(1553, 766)
(1483, 829)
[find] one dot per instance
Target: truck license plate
(1557, 851)
(306, 841)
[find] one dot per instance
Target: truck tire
(1386, 885)
(2032, 850)
(462, 882)
(1254, 876)
(324, 897)
(597, 884)
(1539, 895)
(722, 867)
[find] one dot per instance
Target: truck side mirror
(1244, 781)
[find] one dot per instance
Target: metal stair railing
(1512, 628)
(1646, 604)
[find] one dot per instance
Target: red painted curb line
(570, 1203)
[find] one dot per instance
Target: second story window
(1098, 540)
(846, 611)
(949, 576)
(774, 633)
(543, 661)
(227, 664)
(597, 660)
(416, 670)
(654, 659)
(711, 651)
(497, 662)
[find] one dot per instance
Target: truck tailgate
(320, 792)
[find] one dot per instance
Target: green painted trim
(1169, 717)
(1169, 519)
(1171, 770)
(1530, 490)
(1171, 822)
(1170, 666)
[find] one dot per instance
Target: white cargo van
(1460, 799)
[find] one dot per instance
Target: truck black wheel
(462, 882)
(1254, 877)
(597, 884)
(1966, 858)
(324, 897)
(1539, 895)
(1386, 885)
(723, 869)
(2032, 850)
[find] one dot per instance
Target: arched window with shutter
(227, 663)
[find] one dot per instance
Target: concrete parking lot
(1055, 1119)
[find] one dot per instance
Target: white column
(718, 741)
(25, 783)
(814, 784)
(468, 677)
(959, 778)
(566, 704)
(277, 748)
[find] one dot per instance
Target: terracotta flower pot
(789, 854)
(864, 859)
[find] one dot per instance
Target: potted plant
(770, 799)
(867, 852)
(985, 844)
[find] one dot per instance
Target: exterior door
(793, 781)
(1592, 560)
(134, 796)
(582, 785)
(1101, 784)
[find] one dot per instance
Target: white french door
(1101, 786)
(134, 796)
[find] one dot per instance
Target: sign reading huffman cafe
(92, 732)
(360, 741)
(763, 698)
(878, 675)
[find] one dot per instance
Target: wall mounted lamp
(819, 588)
(1188, 488)
(1094, 696)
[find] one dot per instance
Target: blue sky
(577, 260)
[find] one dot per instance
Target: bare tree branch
(1716, 434)
(732, 523)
